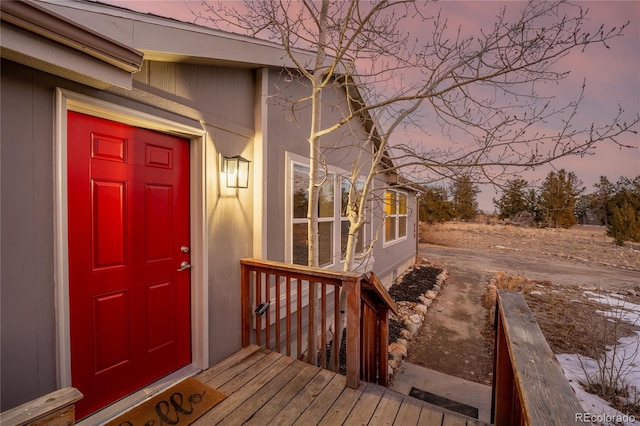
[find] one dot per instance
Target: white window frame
(337, 175)
(397, 215)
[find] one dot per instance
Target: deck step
(264, 387)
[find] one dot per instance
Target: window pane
(300, 191)
(344, 187)
(344, 234)
(325, 198)
(325, 243)
(390, 202)
(402, 226)
(390, 229)
(402, 203)
(300, 247)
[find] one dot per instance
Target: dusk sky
(612, 79)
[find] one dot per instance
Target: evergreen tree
(533, 205)
(624, 205)
(624, 224)
(586, 210)
(513, 199)
(435, 205)
(464, 198)
(558, 198)
(601, 199)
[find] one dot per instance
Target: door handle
(184, 265)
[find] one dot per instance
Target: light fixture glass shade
(237, 172)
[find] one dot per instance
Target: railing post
(352, 288)
(529, 384)
(245, 304)
(503, 380)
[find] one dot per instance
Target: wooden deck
(265, 387)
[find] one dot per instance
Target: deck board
(264, 387)
(387, 409)
(366, 405)
(323, 402)
(339, 411)
(409, 412)
(303, 399)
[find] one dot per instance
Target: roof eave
(48, 24)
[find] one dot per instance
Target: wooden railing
(54, 409)
(290, 309)
(529, 386)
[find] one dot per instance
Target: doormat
(443, 402)
(179, 405)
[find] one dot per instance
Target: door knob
(184, 265)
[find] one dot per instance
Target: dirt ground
(581, 243)
(457, 337)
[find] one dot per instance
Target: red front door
(128, 195)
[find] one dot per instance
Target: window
(333, 221)
(326, 217)
(395, 225)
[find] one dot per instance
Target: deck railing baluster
(299, 320)
(366, 316)
(277, 299)
(323, 326)
(288, 318)
(258, 299)
(337, 340)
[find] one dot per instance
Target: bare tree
(485, 89)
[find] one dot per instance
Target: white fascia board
(167, 39)
(168, 43)
(37, 52)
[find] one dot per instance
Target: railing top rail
(547, 396)
(368, 282)
(373, 283)
(301, 270)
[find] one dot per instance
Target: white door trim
(67, 100)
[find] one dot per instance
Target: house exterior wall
(223, 101)
(287, 137)
(27, 322)
(28, 316)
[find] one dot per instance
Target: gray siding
(204, 94)
(27, 311)
(28, 333)
(288, 133)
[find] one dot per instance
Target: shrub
(624, 224)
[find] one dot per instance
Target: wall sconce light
(236, 169)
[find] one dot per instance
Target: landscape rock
(406, 334)
(412, 328)
(442, 277)
(412, 305)
(398, 348)
(420, 309)
(416, 319)
(430, 294)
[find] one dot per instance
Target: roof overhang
(37, 37)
